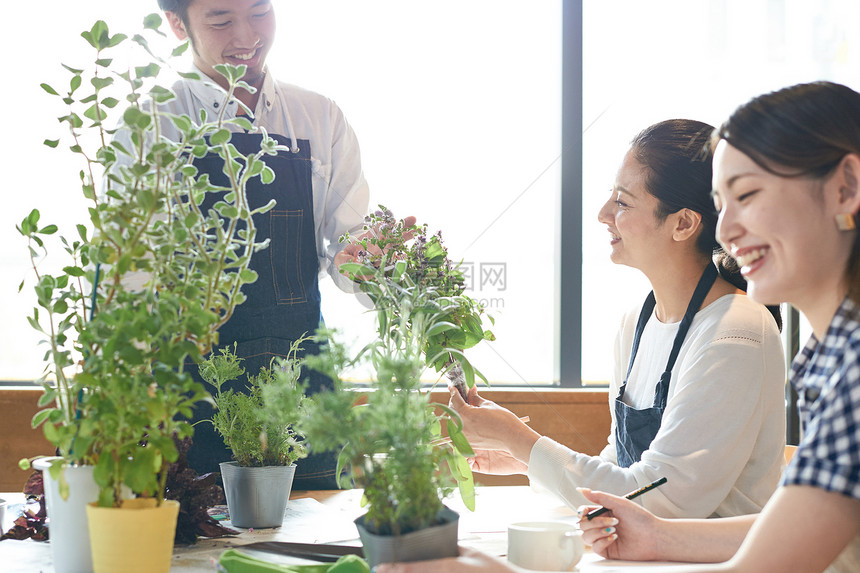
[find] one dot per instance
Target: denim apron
(636, 429)
(284, 302)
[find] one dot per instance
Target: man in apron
(319, 189)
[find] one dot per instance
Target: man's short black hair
(180, 7)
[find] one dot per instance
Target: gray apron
(636, 429)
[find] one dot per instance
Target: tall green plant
(116, 351)
(392, 445)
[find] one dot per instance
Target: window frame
(569, 339)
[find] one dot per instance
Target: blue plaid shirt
(826, 375)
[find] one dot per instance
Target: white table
(326, 517)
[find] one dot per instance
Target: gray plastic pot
(433, 542)
(257, 497)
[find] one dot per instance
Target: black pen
(633, 494)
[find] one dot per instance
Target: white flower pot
(68, 529)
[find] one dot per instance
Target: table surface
(327, 517)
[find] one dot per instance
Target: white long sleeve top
(722, 438)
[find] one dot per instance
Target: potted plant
(257, 426)
(392, 446)
(115, 384)
(384, 242)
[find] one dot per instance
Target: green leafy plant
(115, 386)
(392, 445)
(387, 241)
(257, 425)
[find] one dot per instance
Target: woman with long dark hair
(697, 387)
(787, 183)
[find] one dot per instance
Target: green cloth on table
(237, 562)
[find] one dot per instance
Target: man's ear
(176, 25)
(687, 222)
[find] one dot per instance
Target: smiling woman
(769, 257)
(698, 353)
(785, 166)
(761, 195)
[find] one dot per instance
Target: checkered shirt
(826, 375)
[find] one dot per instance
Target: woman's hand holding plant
(488, 426)
(497, 462)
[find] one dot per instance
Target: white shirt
(340, 192)
(722, 438)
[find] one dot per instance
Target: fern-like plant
(258, 425)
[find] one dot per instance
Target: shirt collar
(267, 93)
(843, 324)
(209, 92)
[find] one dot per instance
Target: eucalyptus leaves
(117, 347)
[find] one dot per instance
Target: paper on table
(309, 521)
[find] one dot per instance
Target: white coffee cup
(545, 545)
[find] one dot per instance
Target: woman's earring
(845, 222)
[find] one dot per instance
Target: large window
(458, 107)
(644, 62)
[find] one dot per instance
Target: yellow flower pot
(138, 537)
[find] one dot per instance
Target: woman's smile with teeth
(749, 257)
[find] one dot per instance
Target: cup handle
(569, 538)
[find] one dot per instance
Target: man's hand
(350, 253)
